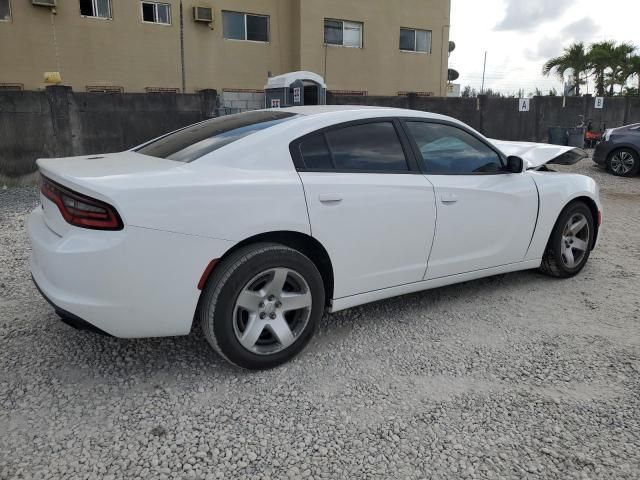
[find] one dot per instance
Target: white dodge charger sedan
(255, 224)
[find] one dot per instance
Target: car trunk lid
(96, 176)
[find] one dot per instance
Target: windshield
(191, 143)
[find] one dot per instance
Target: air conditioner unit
(203, 14)
(44, 3)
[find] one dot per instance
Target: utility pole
(182, 68)
(484, 69)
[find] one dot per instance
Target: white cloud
(547, 48)
(530, 32)
(529, 14)
(582, 30)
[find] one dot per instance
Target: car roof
(310, 110)
(360, 111)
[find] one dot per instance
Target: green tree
(619, 66)
(602, 56)
(469, 92)
(574, 57)
(632, 69)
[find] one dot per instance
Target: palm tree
(632, 68)
(574, 57)
(619, 65)
(602, 56)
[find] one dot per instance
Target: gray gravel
(515, 376)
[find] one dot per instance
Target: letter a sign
(523, 104)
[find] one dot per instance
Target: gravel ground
(515, 376)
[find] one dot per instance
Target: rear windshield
(193, 142)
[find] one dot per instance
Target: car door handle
(449, 198)
(330, 197)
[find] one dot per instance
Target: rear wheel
(262, 305)
(570, 242)
(624, 162)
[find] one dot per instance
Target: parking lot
(518, 376)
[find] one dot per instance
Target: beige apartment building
(375, 47)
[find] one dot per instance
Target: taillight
(80, 210)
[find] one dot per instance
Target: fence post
(61, 143)
(627, 108)
(482, 103)
(411, 100)
(208, 102)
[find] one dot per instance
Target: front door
(485, 216)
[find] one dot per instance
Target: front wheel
(570, 243)
(624, 162)
(261, 306)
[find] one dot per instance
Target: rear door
(486, 216)
(368, 204)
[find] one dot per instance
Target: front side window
(5, 11)
(95, 8)
(368, 148)
(195, 141)
(343, 33)
(245, 26)
(154, 12)
(450, 150)
(412, 40)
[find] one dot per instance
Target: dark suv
(619, 150)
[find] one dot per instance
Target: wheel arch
(595, 212)
(304, 243)
(623, 146)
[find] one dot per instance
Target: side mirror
(515, 164)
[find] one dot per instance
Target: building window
(245, 26)
(95, 8)
(343, 33)
(153, 12)
(5, 11)
(412, 40)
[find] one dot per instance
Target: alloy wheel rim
(575, 240)
(622, 163)
(272, 310)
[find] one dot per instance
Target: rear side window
(370, 147)
(315, 152)
(450, 150)
(195, 141)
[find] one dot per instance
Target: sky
(519, 36)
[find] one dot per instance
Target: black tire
(635, 168)
(218, 301)
(553, 263)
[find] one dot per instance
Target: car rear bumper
(68, 317)
(136, 282)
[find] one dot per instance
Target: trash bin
(558, 135)
(575, 137)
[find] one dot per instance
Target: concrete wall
(233, 101)
(500, 118)
(58, 122)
